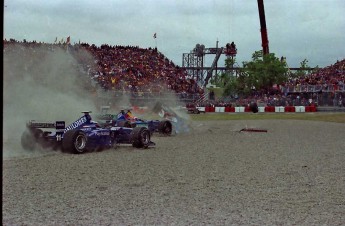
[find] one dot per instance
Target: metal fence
(142, 98)
(292, 95)
(314, 88)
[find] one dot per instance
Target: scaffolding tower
(194, 61)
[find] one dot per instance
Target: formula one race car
(194, 109)
(180, 124)
(82, 135)
(126, 119)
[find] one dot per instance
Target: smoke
(40, 84)
(173, 105)
(48, 84)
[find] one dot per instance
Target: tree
(221, 80)
(259, 74)
(263, 72)
(304, 69)
(233, 86)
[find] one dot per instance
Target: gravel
(293, 174)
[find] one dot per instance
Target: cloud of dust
(167, 98)
(171, 100)
(123, 101)
(43, 85)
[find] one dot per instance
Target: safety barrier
(273, 109)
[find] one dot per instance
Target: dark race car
(82, 135)
(180, 124)
(126, 119)
(194, 109)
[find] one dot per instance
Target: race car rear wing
(58, 125)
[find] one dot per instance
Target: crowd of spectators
(324, 87)
(330, 75)
(293, 99)
(330, 78)
(143, 71)
(134, 69)
(125, 68)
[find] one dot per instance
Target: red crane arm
(264, 36)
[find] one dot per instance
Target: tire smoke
(40, 84)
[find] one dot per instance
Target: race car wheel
(38, 133)
(41, 138)
(28, 140)
(165, 127)
(140, 137)
(75, 141)
(254, 107)
(196, 111)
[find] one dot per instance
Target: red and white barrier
(219, 109)
(261, 109)
(274, 109)
(239, 109)
(201, 109)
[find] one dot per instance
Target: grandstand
(146, 74)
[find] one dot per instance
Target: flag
(55, 39)
(155, 35)
(68, 39)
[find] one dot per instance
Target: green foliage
(229, 62)
(218, 92)
(225, 79)
(264, 71)
(259, 74)
(230, 88)
(304, 70)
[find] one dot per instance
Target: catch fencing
(331, 99)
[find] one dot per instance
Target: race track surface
(215, 175)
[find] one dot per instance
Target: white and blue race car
(82, 135)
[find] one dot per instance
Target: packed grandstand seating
(126, 68)
(324, 87)
(330, 78)
(148, 72)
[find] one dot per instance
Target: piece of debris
(253, 130)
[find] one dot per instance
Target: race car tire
(140, 137)
(74, 141)
(28, 140)
(196, 111)
(41, 139)
(38, 133)
(165, 127)
(254, 107)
